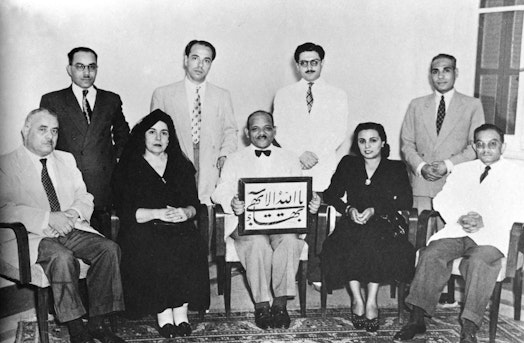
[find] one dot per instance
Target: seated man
(266, 258)
(479, 203)
(43, 189)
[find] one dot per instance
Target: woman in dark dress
(164, 259)
(362, 248)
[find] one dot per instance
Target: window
(499, 65)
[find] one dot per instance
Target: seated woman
(362, 248)
(164, 259)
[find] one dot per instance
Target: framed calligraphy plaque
(274, 205)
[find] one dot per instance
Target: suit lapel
(429, 117)
(96, 115)
(30, 179)
(182, 119)
(74, 111)
(208, 106)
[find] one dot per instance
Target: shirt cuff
(45, 222)
(419, 168)
(449, 165)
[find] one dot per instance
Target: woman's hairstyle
(370, 126)
(136, 146)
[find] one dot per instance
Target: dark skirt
(366, 253)
(163, 267)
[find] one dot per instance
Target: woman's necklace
(370, 170)
(368, 182)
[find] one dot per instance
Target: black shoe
(103, 334)
(183, 329)
(280, 317)
(409, 331)
(359, 322)
(167, 331)
(372, 325)
(469, 332)
(263, 318)
(83, 337)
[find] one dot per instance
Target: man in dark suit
(92, 128)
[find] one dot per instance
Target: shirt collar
(317, 82)
(192, 86)
(447, 96)
(35, 159)
(78, 91)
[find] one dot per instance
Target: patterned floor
(335, 327)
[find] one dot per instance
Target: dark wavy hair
(136, 146)
(309, 47)
(384, 152)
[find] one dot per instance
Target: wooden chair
(511, 269)
(33, 275)
(333, 217)
(226, 257)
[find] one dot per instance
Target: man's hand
(308, 160)
(471, 222)
(220, 162)
(237, 205)
(429, 173)
(61, 222)
(52, 233)
(439, 168)
(72, 214)
(314, 204)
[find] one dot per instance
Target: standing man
(479, 202)
(437, 132)
(43, 189)
(267, 259)
(203, 116)
(312, 119)
(92, 128)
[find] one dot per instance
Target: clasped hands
(471, 222)
(434, 171)
(360, 217)
(61, 223)
(173, 214)
(308, 159)
(238, 205)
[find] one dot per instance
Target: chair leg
(113, 322)
(400, 301)
(451, 290)
(494, 312)
(302, 275)
(201, 315)
(227, 289)
(517, 294)
(221, 271)
(392, 290)
(323, 295)
(42, 311)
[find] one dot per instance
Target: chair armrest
(23, 249)
(218, 226)
(202, 222)
(426, 227)
(516, 244)
(115, 225)
(411, 217)
(321, 231)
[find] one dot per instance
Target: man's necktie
(85, 106)
(260, 152)
(49, 189)
(484, 174)
(441, 113)
(309, 97)
(196, 118)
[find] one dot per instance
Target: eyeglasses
(492, 145)
(82, 67)
(312, 63)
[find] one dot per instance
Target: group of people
(79, 161)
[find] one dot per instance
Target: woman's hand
(168, 214)
(181, 214)
(361, 217)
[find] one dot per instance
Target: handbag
(399, 226)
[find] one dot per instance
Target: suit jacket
(218, 135)
(92, 145)
(420, 143)
(23, 198)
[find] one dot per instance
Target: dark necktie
(441, 113)
(309, 97)
(260, 152)
(49, 189)
(196, 118)
(86, 108)
(484, 174)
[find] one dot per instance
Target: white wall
(378, 51)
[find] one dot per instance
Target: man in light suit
(203, 116)
(479, 202)
(437, 131)
(92, 128)
(43, 189)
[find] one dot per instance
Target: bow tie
(260, 152)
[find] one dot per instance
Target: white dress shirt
(322, 131)
(498, 199)
(91, 96)
(244, 163)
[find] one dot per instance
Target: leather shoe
(167, 331)
(469, 332)
(409, 331)
(263, 318)
(183, 329)
(280, 317)
(102, 333)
